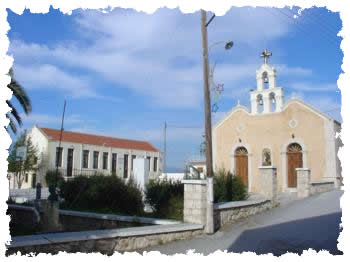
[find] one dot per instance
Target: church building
(275, 133)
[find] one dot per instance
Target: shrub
(102, 194)
(166, 198)
(228, 187)
(53, 177)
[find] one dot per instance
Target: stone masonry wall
(106, 245)
(195, 201)
(233, 211)
(317, 188)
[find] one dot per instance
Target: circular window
(240, 128)
(293, 123)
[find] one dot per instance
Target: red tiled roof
(81, 138)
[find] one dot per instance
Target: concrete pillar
(260, 82)
(266, 99)
(303, 182)
(279, 103)
(50, 218)
(195, 201)
(129, 165)
(254, 105)
(151, 164)
(272, 80)
(210, 206)
(268, 183)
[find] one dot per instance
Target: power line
(287, 17)
(316, 21)
(184, 127)
(298, 25)
(327, 24)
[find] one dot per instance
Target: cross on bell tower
(267, 97)
(266, 54)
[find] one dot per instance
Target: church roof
(310, 107)
(81, 138)
(291, 101)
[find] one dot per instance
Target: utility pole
(164, 156)
(208, 138)
(53, 193)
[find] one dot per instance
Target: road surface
(293, 227)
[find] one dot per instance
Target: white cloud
(45, 120)
(312, 87)
(292, 71)
(326, 105)
(50, 76)
(157, 56)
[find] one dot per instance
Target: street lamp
(228, 45)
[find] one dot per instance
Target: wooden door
(295, 160)
(241, 164)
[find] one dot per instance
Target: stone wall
(195, 201)
(80, 221)
(317, 188)
(24, 215)
(303, 182)
(268, 183)
(304, 186)
(232, 211)
(103, 241)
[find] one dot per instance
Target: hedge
(166, 197)
(105, 193)
(228, 187)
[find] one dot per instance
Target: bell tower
(267, 98)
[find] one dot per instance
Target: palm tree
(22, 98)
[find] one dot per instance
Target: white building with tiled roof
(88, 154)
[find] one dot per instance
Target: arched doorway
(241, 164)
(294, 160)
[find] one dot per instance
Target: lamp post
(208, 129)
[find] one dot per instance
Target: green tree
(23, 100)
(20, 168)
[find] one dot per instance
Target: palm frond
(20, 93)
(12, 125)
(14, 113)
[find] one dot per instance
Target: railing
(91, 172)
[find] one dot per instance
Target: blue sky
(124, 73)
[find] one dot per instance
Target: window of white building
(95, 163)
(86, 159)
(59, 151)
(105, 160)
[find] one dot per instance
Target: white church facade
(273, 133)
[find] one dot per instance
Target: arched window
(241, 151)
(266, 157)
(294, 148)
(272, 101)
(260, 103)
(265, 78)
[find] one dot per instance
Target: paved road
(293, 227)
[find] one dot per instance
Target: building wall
(78, 157)
(338, 145)
(47, 158)
(274, 131)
